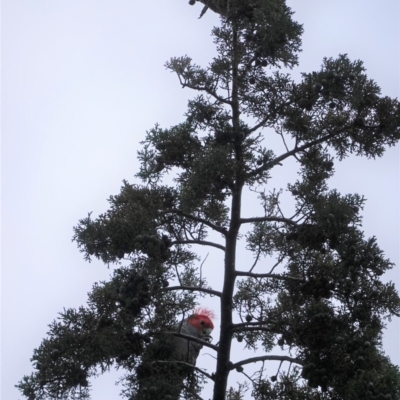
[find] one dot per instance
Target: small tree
(322, 301)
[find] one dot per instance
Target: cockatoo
(164, 365)
(218, 6)
(199, 325)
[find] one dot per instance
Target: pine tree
(322, 301)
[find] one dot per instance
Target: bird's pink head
(202, 320)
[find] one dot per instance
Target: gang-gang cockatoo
(218, 6)
(199, 325)
(165, 366)
(229, 8)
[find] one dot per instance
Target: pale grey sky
(82, 80)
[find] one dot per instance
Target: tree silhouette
(321, 301)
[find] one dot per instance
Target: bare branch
(280, 210)
(283, 139)
(306, 146)
(279, 109)
(201, 267)
(267, 275)
(259, 125)
(204, 89)
(294, 151)
(185, 363)
(279, 368)
(177, 274)
(209, 91)
(267, 219)
(252, 324)
(201, 242)
(255, 329)
(257, 258)
(194, 339)
(266, 358)
(198, 219)
(280, 259)
(194, 289)
(298, 212)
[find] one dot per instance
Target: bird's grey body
(164, 365)
(188, 350)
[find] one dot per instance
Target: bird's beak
(208, 339)
(206, 334)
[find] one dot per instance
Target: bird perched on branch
(218, 6)
(199, 325)
(166, 362)
(230, 9)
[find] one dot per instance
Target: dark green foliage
(89, 341)
(129, 226)
(381, 381)
(160, 376)
(322, 300)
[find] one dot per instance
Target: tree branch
(255, 329)
(207, 90)
(194, 339)
(305, 146)
(274, 276)
(189, 365)
(194, 289)
(198, 219)
(201, 242)
(296, 149)
(257, 258)
(202, 89)
(259, 125)
(266, 219)
(266, 358)
(256, 324)
(284, 141)
(268, 117)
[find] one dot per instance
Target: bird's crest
(205, 312)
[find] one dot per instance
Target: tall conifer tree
(322, 301)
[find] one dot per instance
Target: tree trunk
(223, 368)
(225, 339)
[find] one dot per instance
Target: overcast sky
(82, 80)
